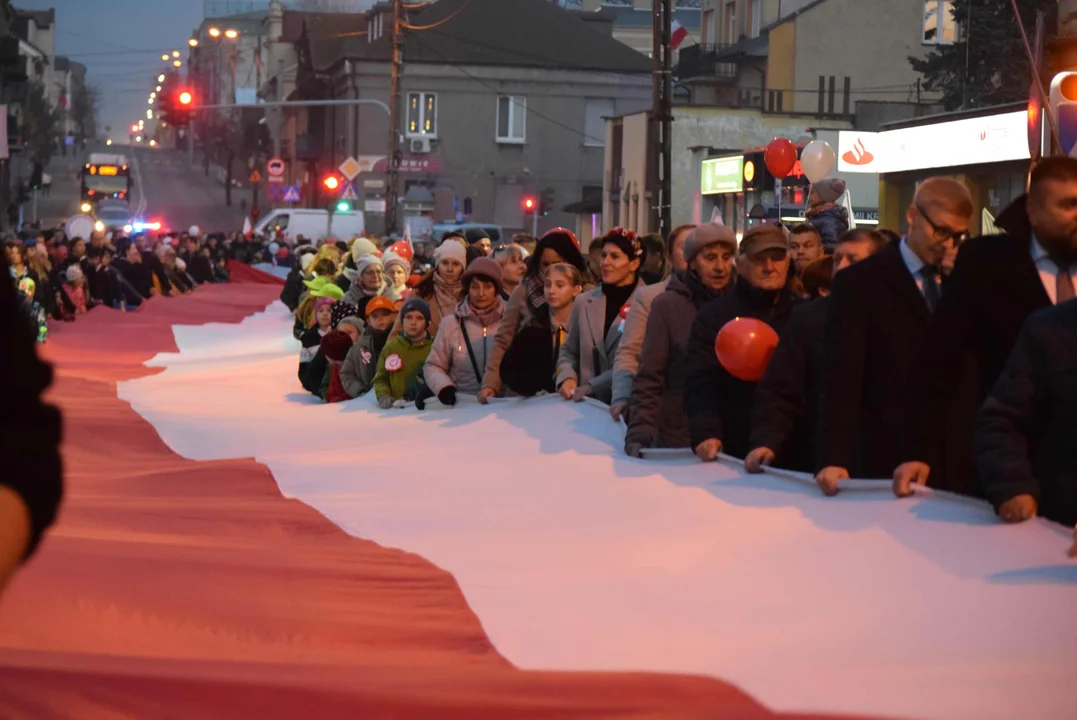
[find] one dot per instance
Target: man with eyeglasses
(997, 282)
(879, 311)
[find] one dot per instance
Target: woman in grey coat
(585, 365)
(457, 360)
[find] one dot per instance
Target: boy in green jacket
(400, 366)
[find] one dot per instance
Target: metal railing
(699, 61)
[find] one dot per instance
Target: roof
(956, 115)
(42, 18)
(329, 33)
(522, 33)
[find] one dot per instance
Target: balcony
(701, 62)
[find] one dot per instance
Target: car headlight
(99, 226)
(85, 207)
(127, 228)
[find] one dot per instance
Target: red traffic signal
(134, 128)
(529, 204)
(186, 98)
(331, 183)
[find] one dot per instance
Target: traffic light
(529, 205)
(181, 109)
(546, 201)
(1063, 96)
(332, 185)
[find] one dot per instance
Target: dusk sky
(121, 42)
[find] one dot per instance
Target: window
(729, 22)
(940, 28)
(511, 116)
(422, 119)
(594, 124)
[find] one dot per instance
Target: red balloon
(402, 249)
(744, 347)
(414, 280)
(780, 157)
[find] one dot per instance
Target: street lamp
(149, 114)
(193, 42)
(161, 77)
(157, 89)
(177, 63)
(175, 53)
(165, 56)
(150, 101)
(214, 32)
(231, 34)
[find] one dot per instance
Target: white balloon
(817, 160)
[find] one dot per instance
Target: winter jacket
(627, 361)
(787, 398)
(399, 384)
(657, 417)
(450, 362)
(313, 373)
(518, 314)
(831, 221)
(311, 341)
(719, 405)
(293, 288)
(587, 355)
(361, 364)
(138, 274)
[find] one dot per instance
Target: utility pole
(393, 158)
(661, 118)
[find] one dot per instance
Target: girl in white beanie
(441, 287)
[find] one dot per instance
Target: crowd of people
(923, 358)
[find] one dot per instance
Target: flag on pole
(246, 227)
(677, 34)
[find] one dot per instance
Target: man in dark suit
(997, 282)
(783, 430)
(1026, 429)
(879, 310)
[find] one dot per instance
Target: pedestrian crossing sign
(291, 193)
(349, 192)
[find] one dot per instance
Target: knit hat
(391, 259)
(362, 246)
(336, 344)
(366, 261)
(353, 321)
(416, 303)
(476, 234)
(708, 234)
(484, 267)
(450, 250)
(830, 189)
(763, 237)
(627, 242)
(74, 272)
(318, 305)
(342, 310)
(379, 302)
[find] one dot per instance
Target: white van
(312, 224)
(441, 229)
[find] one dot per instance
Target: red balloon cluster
(780, 157)
(403, 249)
(744, 347)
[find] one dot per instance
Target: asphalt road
(166, 189)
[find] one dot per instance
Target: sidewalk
(62, 200)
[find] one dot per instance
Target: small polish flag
(246, 226)
(677, 35)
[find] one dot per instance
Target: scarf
(357, 293)
(447, 295)
(488, 316)
(536, 298)
(820, 208)
(77, 296)
(395, 292)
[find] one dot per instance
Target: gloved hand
(401, 404)
(447, 396)
(634, 449)
(385, 403)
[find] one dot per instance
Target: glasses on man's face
(941, 232)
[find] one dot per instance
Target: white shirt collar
(1038, 253)
(912, 260)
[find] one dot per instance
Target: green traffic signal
(344, 206)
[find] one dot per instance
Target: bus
(104, 177)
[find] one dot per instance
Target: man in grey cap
(656, 417)
(719, 405)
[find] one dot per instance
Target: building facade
(632, 21)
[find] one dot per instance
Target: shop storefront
(985, 149)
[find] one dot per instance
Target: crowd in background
(906, 357)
